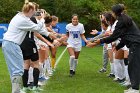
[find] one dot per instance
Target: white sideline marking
(57, 61)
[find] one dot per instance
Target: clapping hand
(94, 32)
(56, 43)
(91, 45)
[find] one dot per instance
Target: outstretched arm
(83, 37)
(43, 39)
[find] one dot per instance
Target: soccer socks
(119, 68)
(30, 75)
(123, 68)
(40, 69)
(36, 76)
(47, 65)
(126, 73)
(126, 61)
(112, 68)
(16, 84)
(25, 78)
(71, 62)
(53, 62)
(75, 64)
(126, 69)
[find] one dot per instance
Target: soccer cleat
(41, 83)
(130, 90)
(46, 77)
(119, 80)
(115, 79)
(111, 75)
(123, 82)
(102, 70)
(37, 89)
(53, 70)
(50, 73)
(21, 91)
(127, 83)
(25, 89)
(43, 78)
(71, 73)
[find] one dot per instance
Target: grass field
(86, 80)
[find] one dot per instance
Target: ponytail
(27, 7)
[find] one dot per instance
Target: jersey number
(75, 35)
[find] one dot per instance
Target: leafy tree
(48, 5)
(8, 8)
(133, 9)
(88, 10)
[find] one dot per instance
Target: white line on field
(57, 61)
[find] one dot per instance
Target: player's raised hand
(94, 32)
(51, 45)
(97, 41)
(63, 37)
(56, 43)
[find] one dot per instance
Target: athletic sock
(119, 71)
(40, 69)
(25, 78)
(75, 64)
(126, 61)
(112, 68)
(30, 75)
(126, 73)
(71, 62)
(122, 68)
(53, 62)
(36, 76)
(47, 65)
(126, 69)
(117, 68)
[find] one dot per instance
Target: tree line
(88, 10)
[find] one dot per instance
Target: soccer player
(31, 58)
(107, 29)
(45, 63)
(75, 31)
(17, 30)
(56, 29)
(127, 30)
(54, 24)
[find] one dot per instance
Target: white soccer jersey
(74, 33)
(108, 28)
(118, 40)
(113, 26)
(112, 29)
(109, 46)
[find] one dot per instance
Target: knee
(72, 57)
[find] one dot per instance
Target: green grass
(5, 83)
(86, 80)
